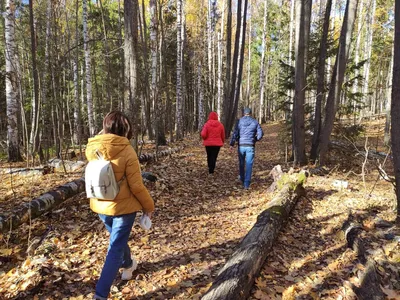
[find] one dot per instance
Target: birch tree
(395, 106)
(34, 138)
(202, 112)
(88, 72)
(337, 77)
(11, 84)
(262, 67)
(179, 98)
(388, 100)
(368, 51)
(227, 82)
(220, 55)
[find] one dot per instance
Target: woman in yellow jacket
(118, 215)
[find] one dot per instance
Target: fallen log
(236, 278)
(48, 201)
(370, 283)
(40, 205)
(27, 171)
(153, 156)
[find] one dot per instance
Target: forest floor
(199, 220)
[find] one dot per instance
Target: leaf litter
(198, 222)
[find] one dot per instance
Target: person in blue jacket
(246, 133)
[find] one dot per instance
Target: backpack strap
(99, 155)
(122, 179)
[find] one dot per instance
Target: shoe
(127, 272)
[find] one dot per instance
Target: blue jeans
(246, 158)
(118, 254)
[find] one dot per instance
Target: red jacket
(213, 132)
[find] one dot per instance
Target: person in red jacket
(213, 135)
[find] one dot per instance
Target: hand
(149, 214)
(231, 148)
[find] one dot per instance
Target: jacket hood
(109, 145)
(213, 116)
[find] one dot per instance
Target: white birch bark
(179, 98)
(220, 83)
(368, 50)
(209, 50)
(262, 68)
(220, 55)
(202, 113)
(291, 31)
(249, 64)
(358, 40)
(88, 73)
(33, 140)
(75, 66)
(332, 28)
(46, 53)
(388, 100)
(11, 83)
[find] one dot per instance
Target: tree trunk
(159, 126)
(88, 72)
(220, 67)
(202, 113)
(210, 36)
(77, 104)
(337, 77)
(109, 103)
(303, 18)
(388, 100)
(227, 85)
(131, 99)
(247, 96)
(236, 278)
(179, 87)
(262, 67)
(395, 106)
(11, 84)
(368, 50)
(229, 108)
(241, 59)
(320, 82)
(358, 41)
(34, 137)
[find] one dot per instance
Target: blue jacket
(247, 132)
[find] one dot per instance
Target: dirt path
(198, 222)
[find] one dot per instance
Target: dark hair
(117, 123)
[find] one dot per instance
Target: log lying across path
(236, 278)
(46, 202)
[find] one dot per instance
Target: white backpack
(100, 180)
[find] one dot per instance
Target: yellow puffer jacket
(133, 195)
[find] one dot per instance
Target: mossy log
(236, 278)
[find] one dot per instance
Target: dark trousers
(212, 154)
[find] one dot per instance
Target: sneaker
(127, 272)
